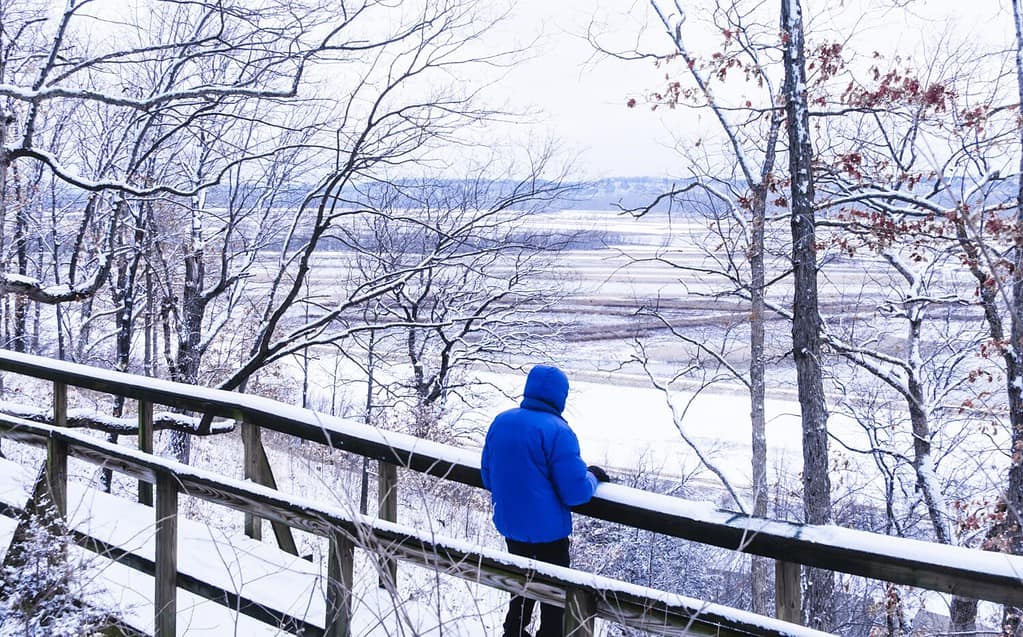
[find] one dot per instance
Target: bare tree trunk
(21, 253)
(34, 343)
(760, 568)
(6, 119)
(806, 333)
(123, 290)
(370, 368)
(1013, 616)
(84, 335)
(149, 337)
(58, 309)
(894, 615)
(1004, 534)
(305, 360)
(192, 311)
(963, 611)
(919, 417)
(963, 615)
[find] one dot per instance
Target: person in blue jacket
(532, 468)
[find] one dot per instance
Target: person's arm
(573, 482)
(485, 467)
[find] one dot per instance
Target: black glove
(598, 473)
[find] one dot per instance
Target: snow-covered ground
(255, 570)
(631, 429)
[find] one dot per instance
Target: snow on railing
(92, 419)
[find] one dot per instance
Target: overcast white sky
(582, 96)
(579, 96)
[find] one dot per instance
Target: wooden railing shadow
(967, 572)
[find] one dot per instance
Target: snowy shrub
(43, 588)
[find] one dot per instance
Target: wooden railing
(968, 572)
(586, 596)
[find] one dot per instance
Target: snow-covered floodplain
(631, 428)
(667, 263)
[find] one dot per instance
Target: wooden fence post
(59, 404)
(340, 558)
(145, 446)
(250, 441)
(788, 603)
(580, 612)
(387, 509)
(56, 454)
(166, 578)
(257, 469)
(56, 475)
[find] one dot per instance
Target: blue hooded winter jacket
(531, 463)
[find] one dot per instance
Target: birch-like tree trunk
(1013, 617)
(806, 321)
(758, 177)
(124, 290)
(760, 568)
(21, 212)
(6, 119)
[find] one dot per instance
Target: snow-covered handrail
(620, 602)
(962, 571)
(91, 419)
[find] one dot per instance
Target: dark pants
(520, 611)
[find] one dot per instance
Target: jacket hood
(547, 385)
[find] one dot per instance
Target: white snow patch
(20, 279)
